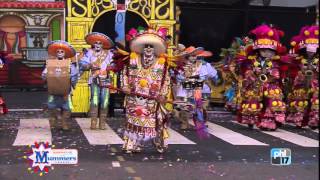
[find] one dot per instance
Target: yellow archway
(81, 16)
(109, 10)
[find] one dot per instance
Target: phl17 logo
(280, 156)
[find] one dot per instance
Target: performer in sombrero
(193, 87)
(61, 50)
(97, 60)
(146, 82)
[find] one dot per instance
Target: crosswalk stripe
(306, 127)
(24, 110)
(33, 130)
(98, 137)
(108, 136)
(230, 136)
(315, 130)
(176, 138)
(289, 136)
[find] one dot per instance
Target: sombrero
(93, 37)
(204, 54)
(179, 49)
(149, 37)
(190, 51)
(53, 46)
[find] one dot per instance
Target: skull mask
(98, 46)
(148, 56)
(311, 50)
(60, 54)
(266, 53)
(192, 59)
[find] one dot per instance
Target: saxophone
(308, 75)
(263, 76)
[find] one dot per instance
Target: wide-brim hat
(178, 49)
(53, 46)
(205, 54)
(191, 51)
(93, 37)
(138, 43)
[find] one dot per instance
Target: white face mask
(312, 48)
(266, 53)
(98, 46)
(60, 54)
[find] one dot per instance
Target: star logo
(39, 156)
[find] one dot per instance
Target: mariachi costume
(303, 100)
(97, 60)
(61, 50)
(146, 81)
(262, 93)
(193, 86)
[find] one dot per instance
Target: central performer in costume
(146, 82)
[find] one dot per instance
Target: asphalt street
(232, 151)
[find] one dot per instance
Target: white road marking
(219, 112)
(116, 164)
(306, 127)
(98, 137)
(230, 136)
(33, 130)
(177, 138)
(290, 137)
(23, 110)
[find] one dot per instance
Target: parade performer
(262, 94)
(3, 107)
(303, 100)
(193, 85)
(97, 60)
(61, 50)
(146, 81)
(233, 74)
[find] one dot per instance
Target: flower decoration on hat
(140, 37)
(295, 41)
(267, 37)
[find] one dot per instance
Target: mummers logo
(41, 157)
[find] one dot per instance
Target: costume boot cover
(53, 117)
(103, 118)
(94, 117)
(64, 119)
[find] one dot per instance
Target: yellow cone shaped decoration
(143, 83)
(274, 103)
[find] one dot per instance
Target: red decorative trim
(33, 4)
